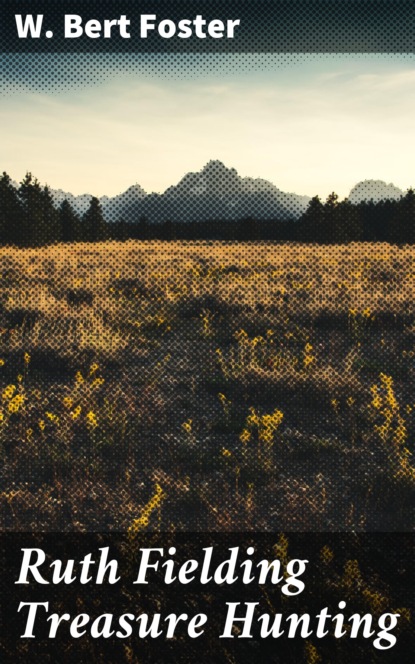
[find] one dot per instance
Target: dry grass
(380, 276)
(136, 365)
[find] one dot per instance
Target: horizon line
(331, 190)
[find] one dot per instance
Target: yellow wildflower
(68, 402)
(42, 425)
(97, 382)
(76, 413)
(226, 403)
(377, 401)
(142, 521)
(400, 434)
(386, 380)
(312, 655)
(309, 358)
(26, 358)
(79, 377)
(245, 436)
(253, 418)
(187, 426)
(8, 392)
(326, 554)
(15, 403)
(91, 419)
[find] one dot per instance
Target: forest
(30, 218)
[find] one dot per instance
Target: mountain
(123, 205)
(79, 203)
(216, 192)
(374, 190)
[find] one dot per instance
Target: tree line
(29, 217)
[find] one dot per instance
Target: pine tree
(405, 219)
(345, 223)
(50, 226)
(69, 223)
(95, 228)
(31, 231)
(330, 218)
(312, 222)
(10, 211)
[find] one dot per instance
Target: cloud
(312, 129)
(403, 81)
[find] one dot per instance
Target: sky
(309, 124)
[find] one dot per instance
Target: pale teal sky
(311, 125)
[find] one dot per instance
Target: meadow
(207, 386)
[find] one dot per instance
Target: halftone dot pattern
(165, 385)
(266, 26)
(200, 385)
(207, 386)
(57, 72)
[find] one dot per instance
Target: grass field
(207, 386)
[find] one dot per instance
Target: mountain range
(216, 192)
